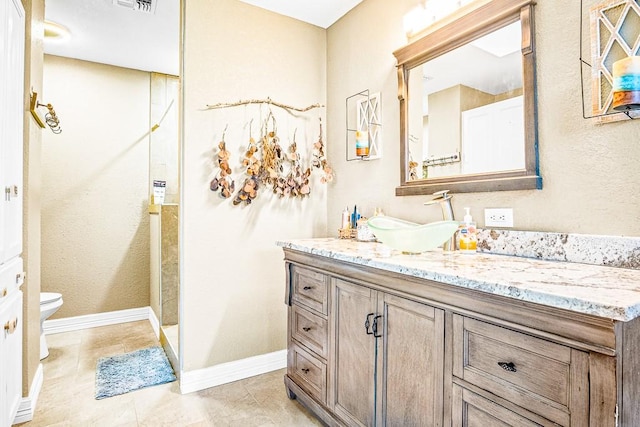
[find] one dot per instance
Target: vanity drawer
(308, 372)
(547, 378)
(470, 409)
(309, 288)
(309, 329)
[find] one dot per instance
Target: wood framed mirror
(463, 129)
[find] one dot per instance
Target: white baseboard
(190, 381)
(155, 323)
(28, 404)
(68, 324)
(200, 379)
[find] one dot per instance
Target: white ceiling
(322, 13)
(106, 33)
(110, 34)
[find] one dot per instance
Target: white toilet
(50, 302)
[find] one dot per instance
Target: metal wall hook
(50, 118)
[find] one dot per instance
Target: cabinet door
(351, 388)
(411, 364)
(11, 357)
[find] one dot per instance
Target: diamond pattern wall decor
(615, 34)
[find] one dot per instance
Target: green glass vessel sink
(410, 237)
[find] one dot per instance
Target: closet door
(12, 31)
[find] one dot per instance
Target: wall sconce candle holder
(50, 117)
(614, 46)
(364, 126)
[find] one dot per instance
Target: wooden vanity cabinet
(353, 353)
(369, 347)
(307, 297)
(387, 358)
(539, 379)
(410, 363)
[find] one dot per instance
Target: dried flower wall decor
(265, 163)
(253, 168)
(223, 180)
(320, 159)
(296, 182)
(271, 153)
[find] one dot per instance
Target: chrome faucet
(444, 199)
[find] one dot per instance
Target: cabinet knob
(11, 325)
(508, 366)
(3, 292)
(306, 329)
(308, 288)
(305, 370)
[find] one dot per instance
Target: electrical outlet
(500, 217)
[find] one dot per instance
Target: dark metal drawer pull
(307, 288)
(367, 323)
(305, 370)
(306, 329)
(508, 366)
(374, 327)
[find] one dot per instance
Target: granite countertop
(608, 292)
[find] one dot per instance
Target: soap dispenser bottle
(468, 239)
(346, 219)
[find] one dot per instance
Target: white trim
(212, 376)
(76, 323)
(28, 404)
(155, 323)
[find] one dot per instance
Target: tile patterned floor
(67, 395)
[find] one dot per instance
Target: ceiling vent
(146, 6)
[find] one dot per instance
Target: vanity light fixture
(55, 31)
(429, 12)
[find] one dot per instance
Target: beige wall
(590, 171)
(154, 262)
(31, 252)
(445, 129)
(163, 142)
(169, 265)
(232, 273)
(95, 225)
(473, 98)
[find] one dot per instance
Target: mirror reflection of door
(466, 108)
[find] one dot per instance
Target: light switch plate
(498, 217)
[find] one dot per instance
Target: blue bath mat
(132, 371)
